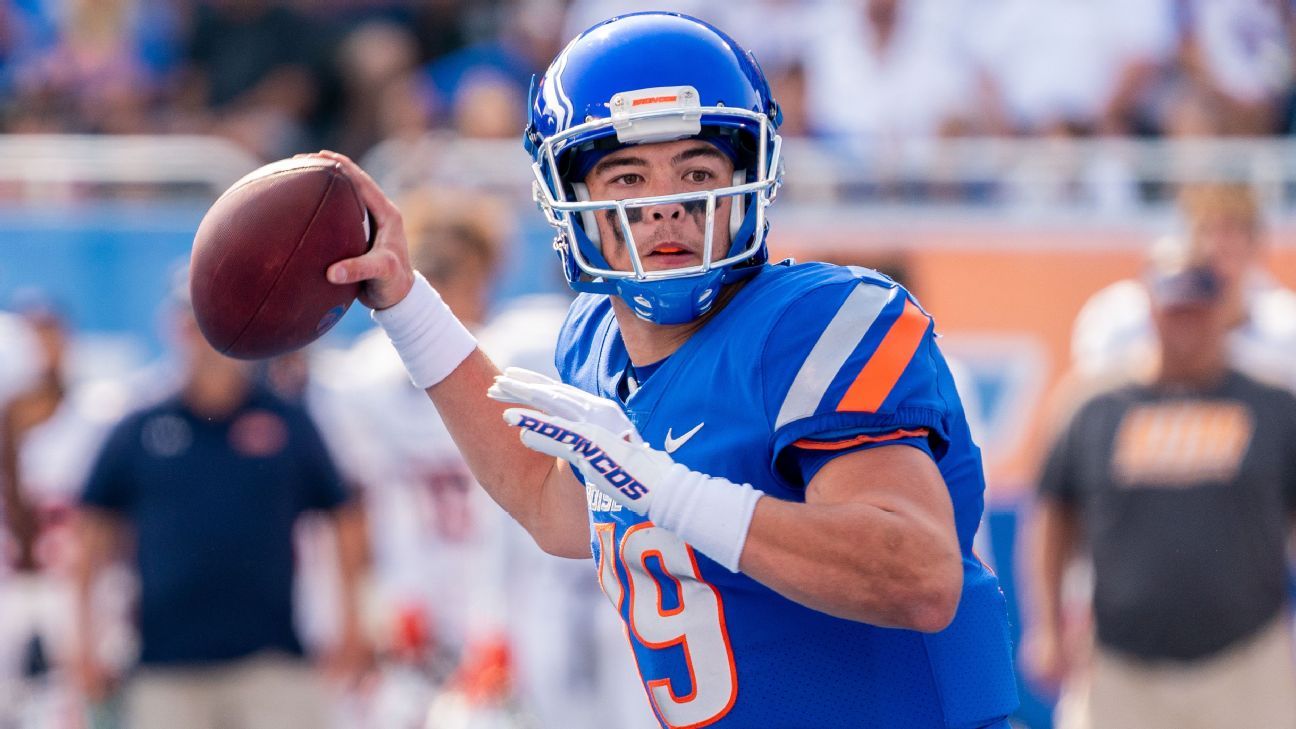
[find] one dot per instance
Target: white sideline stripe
(848, 326)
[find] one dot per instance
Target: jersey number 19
(695, 622)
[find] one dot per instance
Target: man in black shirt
(1184, 488)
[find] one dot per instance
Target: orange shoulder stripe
(880, 374)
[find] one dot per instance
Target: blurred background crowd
(279, 77)
(346, 74)
(1039, 172)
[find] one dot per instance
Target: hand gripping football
(256, 275)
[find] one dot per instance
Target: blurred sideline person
(202, 491)
(816, 569)
(1114, 335)
(504, 622)
(29, 409)
(45, 435)
(1184, 487)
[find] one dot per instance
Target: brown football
(256, 276)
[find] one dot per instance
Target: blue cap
(1198, 284)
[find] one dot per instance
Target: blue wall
(110, 264)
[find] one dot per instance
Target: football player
(781, 490)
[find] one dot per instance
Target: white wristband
(711, 514)
(429, 338)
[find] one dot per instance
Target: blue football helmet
(644, 78)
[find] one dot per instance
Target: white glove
(534, 390)
(712, 514)
(633, 474)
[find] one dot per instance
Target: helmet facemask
(662, 115)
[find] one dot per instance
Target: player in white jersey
(445, 553)
(1113, 332)
(49, 432)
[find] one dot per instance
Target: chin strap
(671, 301)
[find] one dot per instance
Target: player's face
(665, 236)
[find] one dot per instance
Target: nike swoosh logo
(673, 444)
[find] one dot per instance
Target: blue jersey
(803, 359)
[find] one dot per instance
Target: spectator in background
(1059, 67)
(262, 71)
(1185, 486)
(885, 72)
(1223, 225)
(885, 81)
(478, 92)
(777, 32)
(405, 109)
(1238, 55)
(526, 39)
(487, 106)
(376, 61)
(1062, 70)
(89, 66)
(207, 486)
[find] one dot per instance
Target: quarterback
(768, 462)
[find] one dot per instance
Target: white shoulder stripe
(839, 339)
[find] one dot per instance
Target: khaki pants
(263, 691)
(1251, 684)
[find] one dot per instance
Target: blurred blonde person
(1114, 334)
